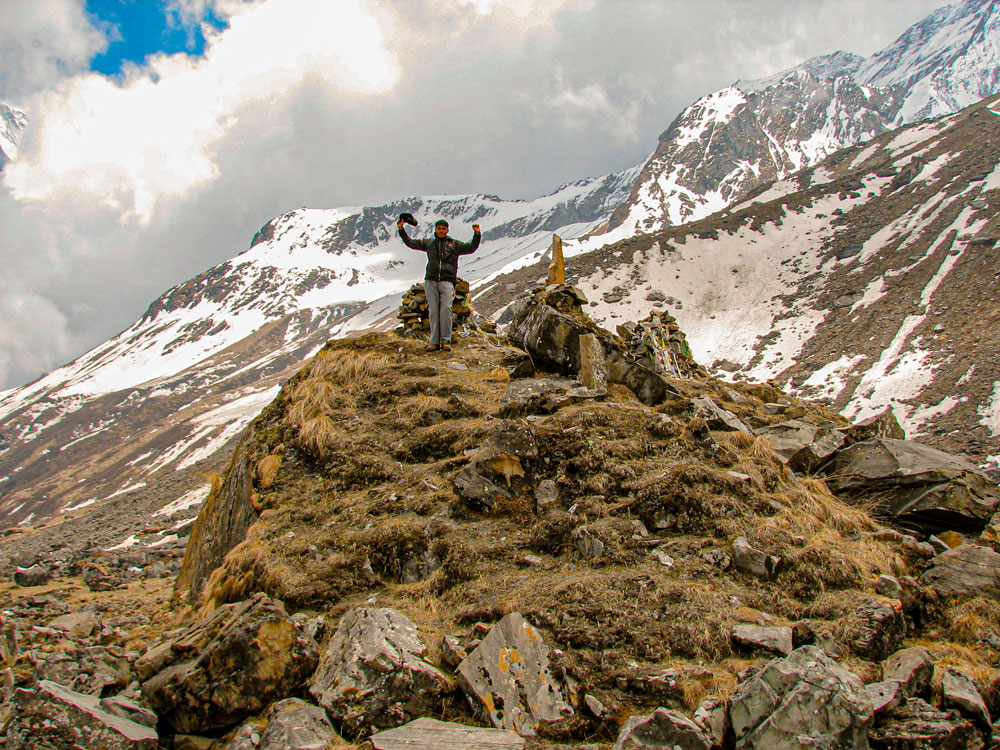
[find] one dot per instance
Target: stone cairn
(659, 344)
(415, 319)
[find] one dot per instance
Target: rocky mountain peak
(753, 132)
(12, 124)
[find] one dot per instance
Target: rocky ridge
(866, 282)
(624, 553)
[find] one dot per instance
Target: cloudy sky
(163, 133)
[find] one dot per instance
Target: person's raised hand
(399, 224)
(475, 228)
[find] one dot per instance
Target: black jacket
(442, 254)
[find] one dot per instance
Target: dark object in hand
(408, 219)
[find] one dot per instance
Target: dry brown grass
(345, 367)
(318, 434)
(267, 470)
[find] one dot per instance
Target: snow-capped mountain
(754, 132)
(868, 281)
(180, 383)
(12, 122)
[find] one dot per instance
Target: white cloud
(43, 41)
(47, 341)
(150, 139)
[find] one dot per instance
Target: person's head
(441, 228)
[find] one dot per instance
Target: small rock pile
(413, 311)
(659, 344)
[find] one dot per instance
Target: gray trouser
(440, 295)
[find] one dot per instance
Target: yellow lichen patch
(508, 657)
(506, 465)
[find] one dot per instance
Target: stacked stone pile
(413, 311)
(659, 344)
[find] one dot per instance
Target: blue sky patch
(138, 28)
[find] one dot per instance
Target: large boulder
(50, 715)
(804, 699)
(233, 663)
(550, 325)
(547, 334)
(966, 571)
(915, 485)
(507, 678)
(373, 674)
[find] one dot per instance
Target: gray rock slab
(373, 674)
(507, 678)
(713, 717)
(588, 545)
(883, 424)
(802, 446)
(776, 639)
(916, 725)
(965, 571)
(663, 729)
(52, 715)
(886, 695)
(751, 560)
(431, 734)
(804, 699)
(77, 624)
(912, 667)
(716, 417)
(294, 724)
(959, 691)
(127, 708)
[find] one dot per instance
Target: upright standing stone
(507, 678)
(557, 268)
(593, 366)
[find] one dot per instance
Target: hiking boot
(446, 347)
(431, 348)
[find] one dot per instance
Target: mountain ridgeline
(168, 396)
